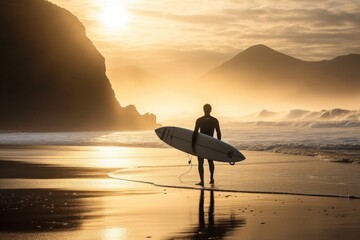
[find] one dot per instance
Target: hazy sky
(175, 30)
(184, 39)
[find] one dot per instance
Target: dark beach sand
(54, 202)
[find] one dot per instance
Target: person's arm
(194, 136)
(218, 132)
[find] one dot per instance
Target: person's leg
(202, 225)
(212, 169)
(201, 170)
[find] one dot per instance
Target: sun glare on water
(113, 16)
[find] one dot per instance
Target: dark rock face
(52, 78)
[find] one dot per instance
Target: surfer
(207, 124)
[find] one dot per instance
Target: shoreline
(240, 191)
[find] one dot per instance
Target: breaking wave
(336, 114)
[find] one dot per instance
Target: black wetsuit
(207, 125)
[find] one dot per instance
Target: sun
(114, 18)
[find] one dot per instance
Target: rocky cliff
(52, 78)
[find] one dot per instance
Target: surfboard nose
(160, 132)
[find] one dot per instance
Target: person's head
(207, 109)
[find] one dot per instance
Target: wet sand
(52, 201)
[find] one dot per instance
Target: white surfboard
(205, 146)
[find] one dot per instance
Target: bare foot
(200, 184)
(212, 181)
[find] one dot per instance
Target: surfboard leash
(189, 162)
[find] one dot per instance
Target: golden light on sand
(113, 16)
(114, 233)
(108, 156)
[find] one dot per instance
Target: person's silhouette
(210, 228)
(207, 125)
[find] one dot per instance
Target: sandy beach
(50, 193)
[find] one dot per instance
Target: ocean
(330, 141)
(285, 158)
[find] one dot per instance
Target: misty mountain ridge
(260, 54)
(260, 73)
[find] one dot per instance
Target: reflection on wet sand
(216, 228)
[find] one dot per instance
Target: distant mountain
(260, 71)
(52, 78)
